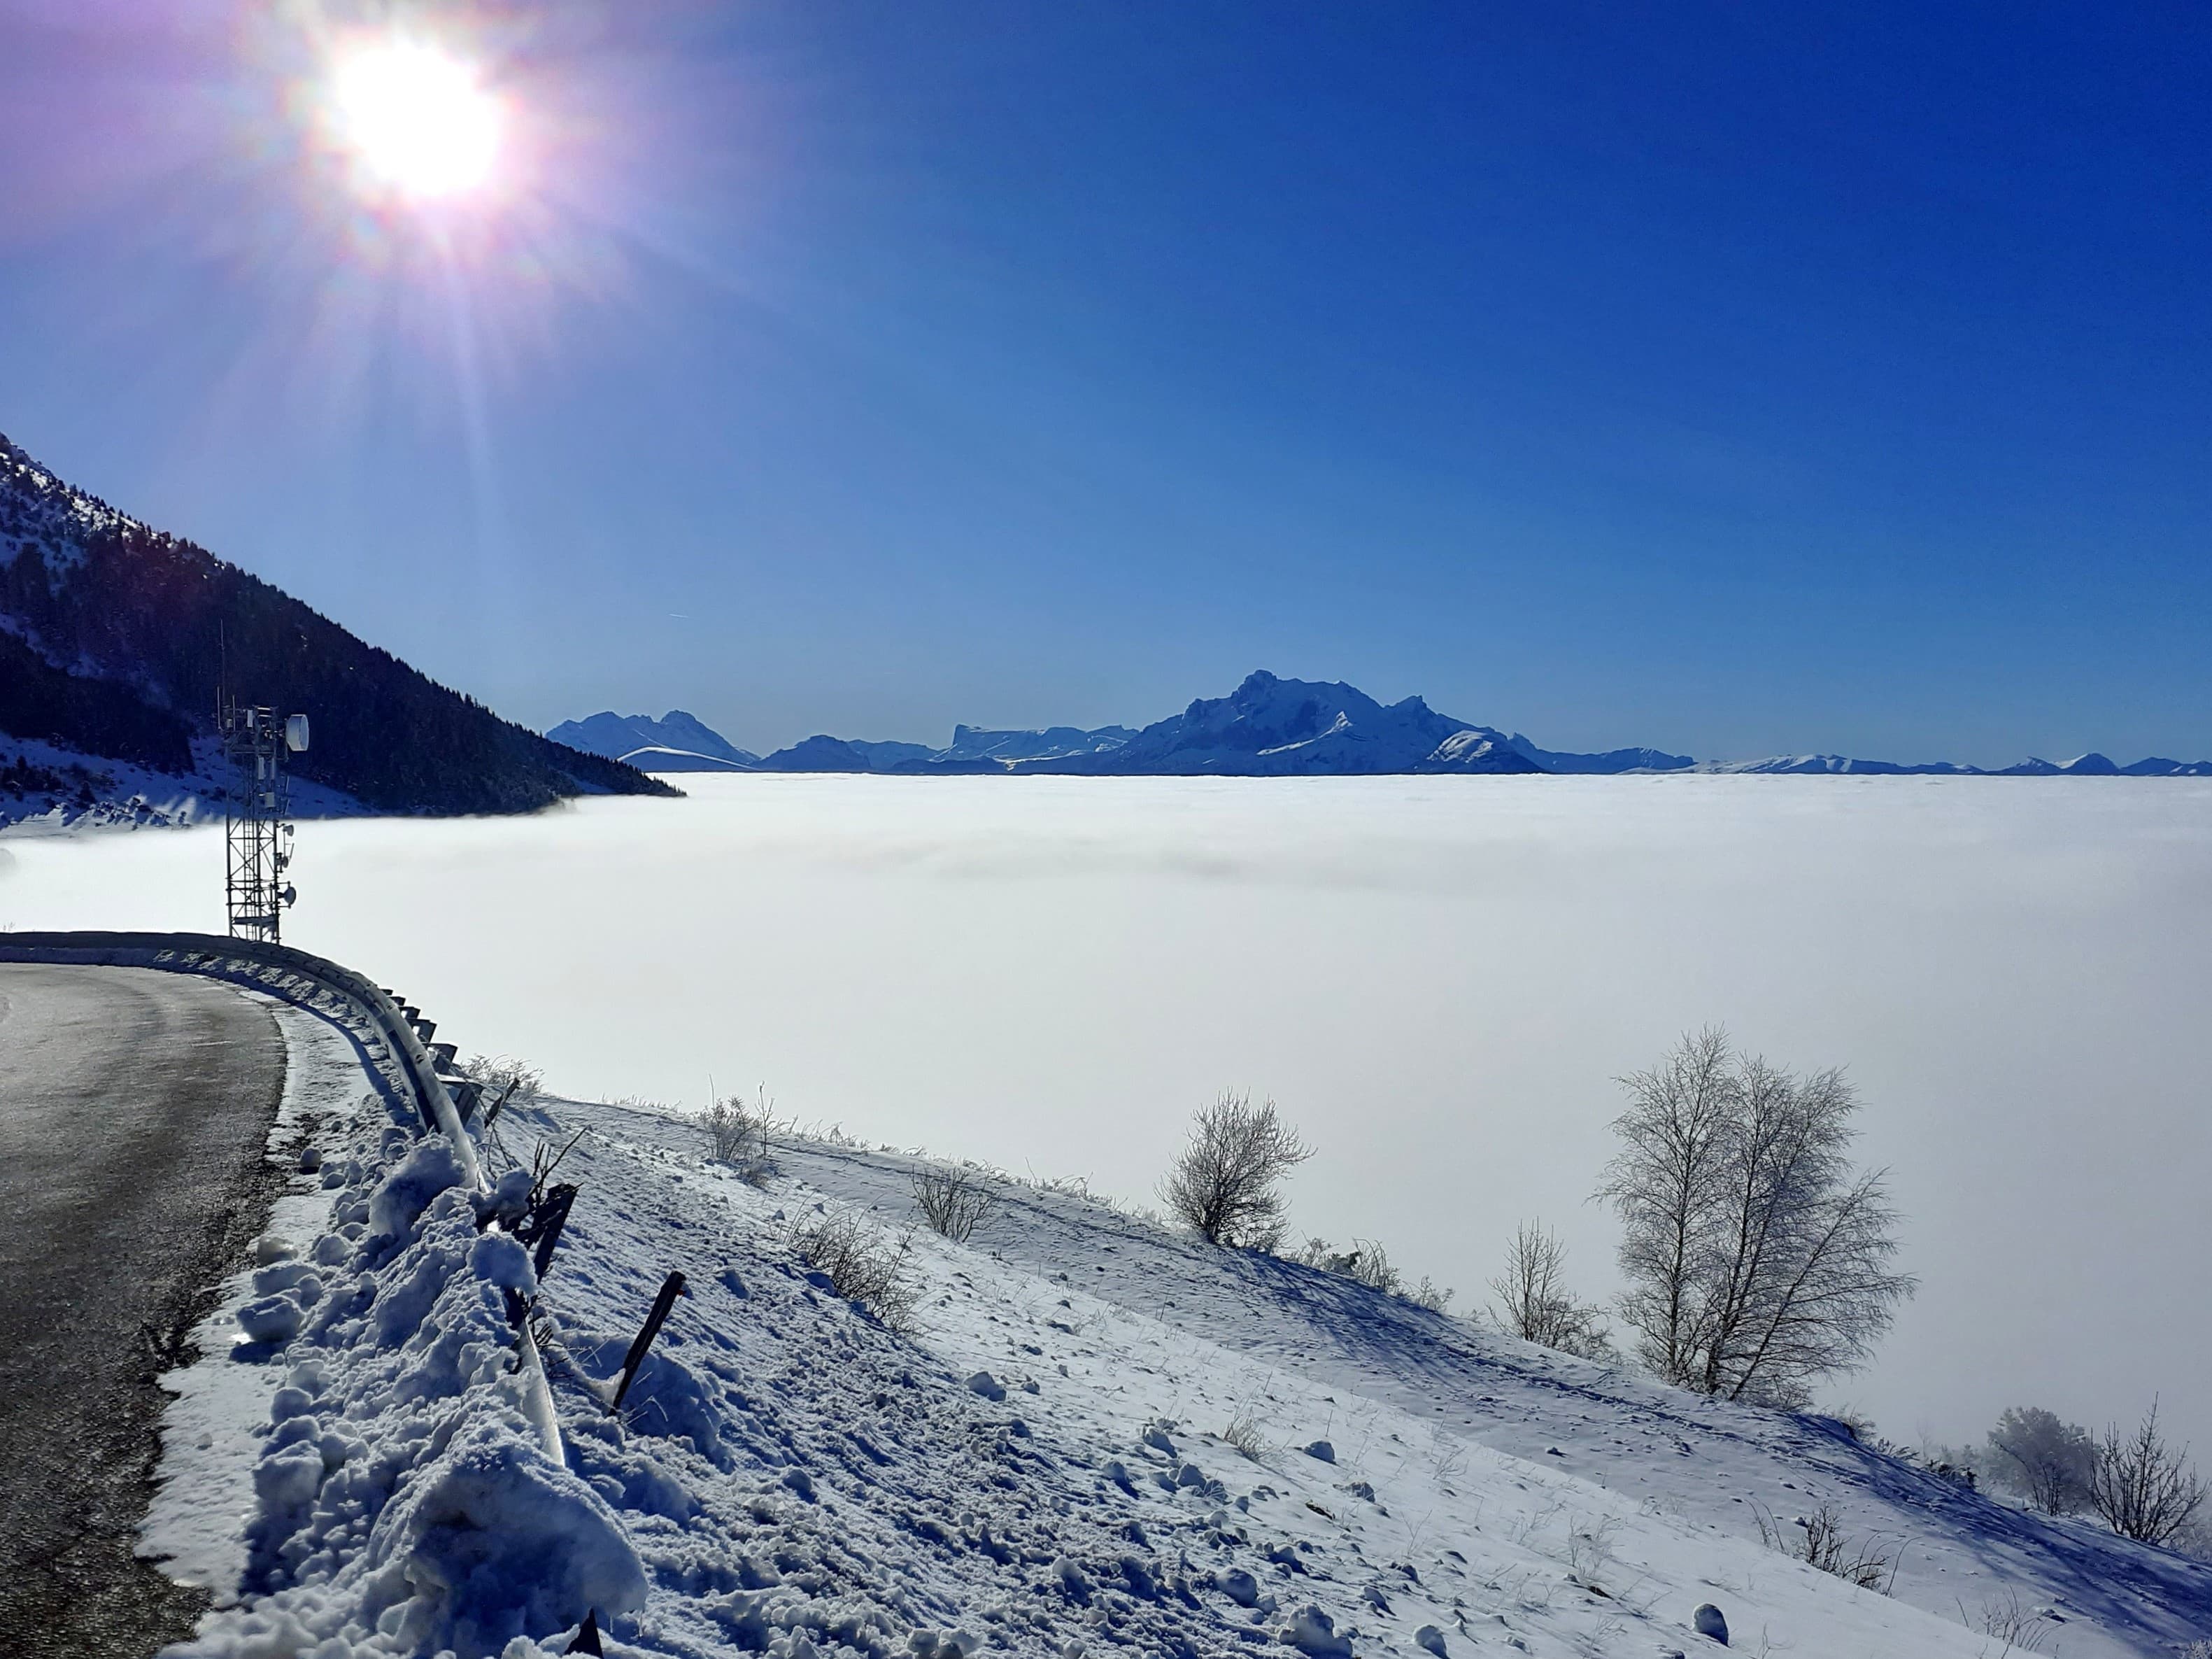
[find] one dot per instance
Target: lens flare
(416, 120)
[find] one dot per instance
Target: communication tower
(258, 818)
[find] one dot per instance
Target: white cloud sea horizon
(1438, 979)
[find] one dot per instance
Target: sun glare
(415, 119)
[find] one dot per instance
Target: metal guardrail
(212, 954)
(247, 961)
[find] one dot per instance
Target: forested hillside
(113, 636)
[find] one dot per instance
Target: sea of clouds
(1438, 979)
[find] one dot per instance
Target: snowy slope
(1039, 1466)
(46, 788)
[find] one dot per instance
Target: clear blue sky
(1734, 378)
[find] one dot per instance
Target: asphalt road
(133, 1110)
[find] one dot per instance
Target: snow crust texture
(1091, 1437)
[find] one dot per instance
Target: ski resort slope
(1039, 1467)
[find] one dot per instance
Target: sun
(416, 120)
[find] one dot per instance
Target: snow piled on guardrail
(402, 1504)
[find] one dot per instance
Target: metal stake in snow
(671, 1288)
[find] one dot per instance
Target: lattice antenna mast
(257, 820)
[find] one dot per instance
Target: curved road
(134, 1109)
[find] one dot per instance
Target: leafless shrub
(823, 1133)
(953, 1200)
(737, 1134)
(505, 1082)
(1365, 1263)
(863, 1264)
(2142, 1488)
(544, 1160)
(1818, 1540)
(1225, 1186)
(2021, 1629)
(2049, 1461)
(1428, 1294)
(1534, 1304)
(1368, 1263)
(1244, 1434)
(1758, 1258)
(1589, 1546)
(1448, 1453)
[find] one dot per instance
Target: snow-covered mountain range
(1267, 727)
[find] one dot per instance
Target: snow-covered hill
(48, 787)
(1095, 1436)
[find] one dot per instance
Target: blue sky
(1731, 379)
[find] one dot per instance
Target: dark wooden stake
(671, 1288)
(541, 1229)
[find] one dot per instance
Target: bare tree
(1758, 1259)
(2048, 1461)
(1535, 1303)
(1662, 1183)
(1226, 1184)
(2141, 1486)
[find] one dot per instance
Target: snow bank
(402, 1504)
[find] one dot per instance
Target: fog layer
(1438, 979)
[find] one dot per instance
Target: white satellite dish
(295, 732)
